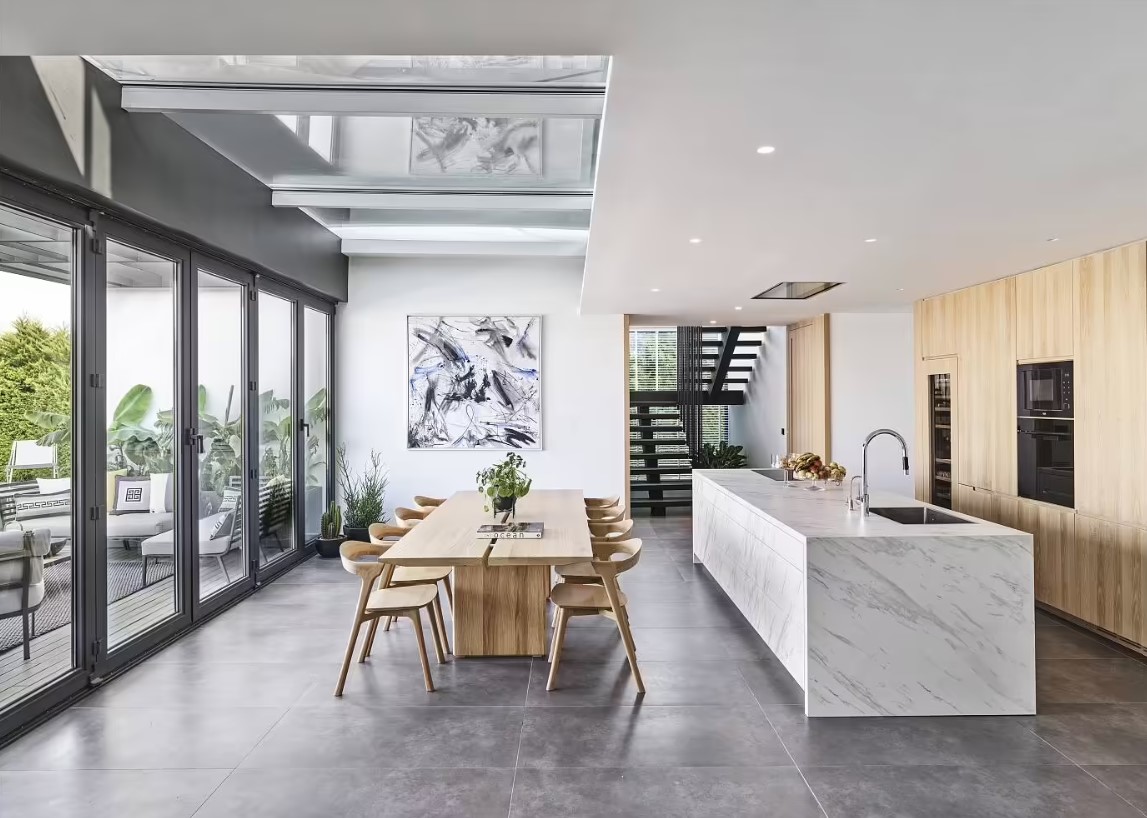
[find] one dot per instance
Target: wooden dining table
(501, 586)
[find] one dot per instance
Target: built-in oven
(1045, 390)
(1047, 460)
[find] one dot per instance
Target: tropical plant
(719, 456)
(363, 494)
(316, 414)
(275, 435)
(504, 481)
(36, 389)
(332, 522)
(224, 456)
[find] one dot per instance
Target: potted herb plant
(330, 535)
(503, 483)
(722, 456)
(363, 494)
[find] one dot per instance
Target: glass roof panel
(533, 71)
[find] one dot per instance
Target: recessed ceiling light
(712, 322)
(899, 289)
(765, 149)
(869, 241)
(1054, 238)
(736, 308)
(654, 289)
(694, 241)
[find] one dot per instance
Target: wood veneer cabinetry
(1109, 570)
(1110, 384)
(939, 321)
(1045, 313)
(808, 387)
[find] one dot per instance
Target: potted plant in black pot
(503, 483)
(331, 533)
(719, 456)
(362, 495)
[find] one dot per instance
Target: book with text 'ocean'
(511, 531)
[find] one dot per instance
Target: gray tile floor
(238, 719)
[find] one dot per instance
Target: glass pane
(142, 479)
(316, 383)
(37, 572)
(222, 351)
(526, 70)
(276, 428)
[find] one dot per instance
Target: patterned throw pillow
(222, 526)
(132, 495)
(31, 506)
(230, 499)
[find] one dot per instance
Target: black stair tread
(660, 469)
(668, 485)
(741, 342)
(674, 414)
(633, 429)
(737, 356)
(730, 369)
(676, 501)
(658, 455)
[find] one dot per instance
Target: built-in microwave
(1045, 390)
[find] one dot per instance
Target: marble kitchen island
(873, 617)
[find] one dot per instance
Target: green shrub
(35, 376)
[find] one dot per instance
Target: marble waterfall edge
(872, 617)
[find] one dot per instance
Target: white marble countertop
(816, 514)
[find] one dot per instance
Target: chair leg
(449, 592)
(630, 648)
(145, 572)
(368, 643)
(389, 622)
(441, 622)
(27, 638)
(556, 649)
(436, 634)
(416, 618)
(358, 619)
(223, 567)
(33, 624)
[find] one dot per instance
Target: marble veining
(870, 616)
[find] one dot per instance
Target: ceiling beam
(374, 247)
(399, 200)
(368, 101)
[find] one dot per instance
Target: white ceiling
(961, 135)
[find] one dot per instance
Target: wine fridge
(940, 431)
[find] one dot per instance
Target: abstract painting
(475, 382)
(476, 146)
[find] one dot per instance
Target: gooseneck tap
(864, 504)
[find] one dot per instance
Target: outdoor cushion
(53, 485)
(161, 544)
(132, 495)
(143, 524)
(13, 546)
(36, 506)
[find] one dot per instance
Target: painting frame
(413, 393)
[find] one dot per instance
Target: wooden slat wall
(809, 413)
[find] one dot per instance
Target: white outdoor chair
(22, 577)
(28, 454)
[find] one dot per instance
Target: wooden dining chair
(409, 517)
(423, 502)
(606, 599)
(374, 603)
(405, 575)
(602, 502)
(599, 532)
(613, 514)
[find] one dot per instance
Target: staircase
(659, 457)
(728, 355)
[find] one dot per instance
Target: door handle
(194, 439)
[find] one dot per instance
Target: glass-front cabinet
(940, 437)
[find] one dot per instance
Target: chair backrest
(602, 502)
(615, 557)
(28, 454)
(610, 531)
(379, 532)
(351, 551)
(407, 517)
(614, 514)
(424, 502)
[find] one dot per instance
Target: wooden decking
(127, 617)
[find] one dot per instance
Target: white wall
(583, 386)
(761, 424)
(871, 387)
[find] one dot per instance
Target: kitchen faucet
(864, 504)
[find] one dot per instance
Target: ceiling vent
(797, 290)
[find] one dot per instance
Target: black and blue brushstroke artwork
(475, 383)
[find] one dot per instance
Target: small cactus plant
(332, 522)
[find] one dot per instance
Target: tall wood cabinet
(1090, 561)
(1111, 384)
(808, 387)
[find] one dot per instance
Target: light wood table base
(500, 611)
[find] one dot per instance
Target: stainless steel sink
(772, 474)
(917, 515)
